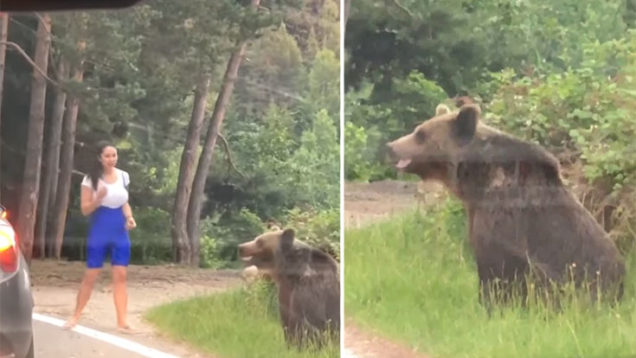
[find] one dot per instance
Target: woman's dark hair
(96, 170)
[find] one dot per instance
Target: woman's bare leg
(120, 295)
(88, 282)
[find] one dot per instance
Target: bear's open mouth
(403, 163)
(246, 258)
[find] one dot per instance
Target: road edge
(106, 337)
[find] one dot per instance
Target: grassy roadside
(413, 279)
(236, 324)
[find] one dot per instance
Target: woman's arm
(90, 203)
(130, 220)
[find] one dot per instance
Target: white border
(343, 352)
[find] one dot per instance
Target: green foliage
(370, 126)
(437, 38)
(315, 25)
(360, 150)
(316, 164)
(283, 169)
(413, 101)
(149, 242)
(582, 110)
(220, 236)
(319, 229)
(324, 78)
(210, 255)
(276, 77)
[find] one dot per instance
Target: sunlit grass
(413, 279)
(238, 324)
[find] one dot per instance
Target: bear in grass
(308, 284)
(522, 220)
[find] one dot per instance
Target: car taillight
(8, 250)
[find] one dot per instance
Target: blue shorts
(108, 235)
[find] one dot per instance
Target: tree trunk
(196, 198)
(345, 18)
(180, 240)
(31, 178)
(67, 153)
(4, 31)
(51, 167)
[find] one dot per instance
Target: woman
(105, 199)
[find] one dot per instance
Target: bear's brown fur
(521, 217)
(308, 285)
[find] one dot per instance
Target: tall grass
(413, 279)
(237, 324)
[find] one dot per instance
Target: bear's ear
(465, 124)
(463, 100)
(287, 238)
(441, 109)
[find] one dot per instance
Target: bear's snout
(399, 160)
(389, 148)
(390, 152)
(244, 250)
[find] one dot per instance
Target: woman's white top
(117, 192)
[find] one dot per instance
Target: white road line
(108, 338)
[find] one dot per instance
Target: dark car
(16, 299)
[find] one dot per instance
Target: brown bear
(522, 219)
(308, 283)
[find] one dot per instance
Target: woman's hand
(91, 200)
(130, 223)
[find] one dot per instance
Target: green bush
(360, 149)
(319, 229)
(369, 126)
(151, 242)
(210, 253)
(221, 236)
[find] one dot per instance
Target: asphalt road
(51, 341)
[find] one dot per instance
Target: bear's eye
(259, 243)
(420, 136)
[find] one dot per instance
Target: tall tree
(186, 172)
(345, 15)
(44, 238)
(4, 31)
(31, 179)
(206, 39)
(66, 163)
(205, 161)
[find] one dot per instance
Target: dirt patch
(367, 345)
(367, 203)
(55, 286)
